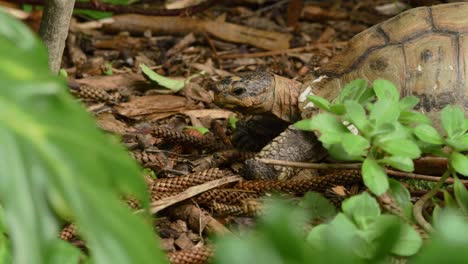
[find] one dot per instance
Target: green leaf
(408, 117)
(320, 102)
(409, 242)
(355, 145)
(63, 73)
(50, 168)
(108, 69)
(232, 120)
(449, 243)
(459, 162)
(356, 90)
(400, 147)
(337, 109)
(330, 127)
(374, 176)
(286, 240)
(402, 197)
(399, 163)
(352, 91)
(387, 130)
(202, 130)
(356, 114)
(337, 152)
(436, 213)
(459, 143)
(449, 202)
(341, 225)
(432, 149)
(362, 208)
(453, 120)
(408, 102)
(2, 220)
(384, 111)
(331, 138)
(317, 206)
(461, 195)
(385, 90)
(171, 84)
(428, 134)
(5, 249)
(64, 253)
(381, 235)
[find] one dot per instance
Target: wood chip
(153, 107)
(139, 24)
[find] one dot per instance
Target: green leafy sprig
(375, 126)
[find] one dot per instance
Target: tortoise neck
(285, 104)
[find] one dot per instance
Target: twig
(284, 51)
(308, 165)
(418, 176)
(213, 48)
(190, 192)
(419, 205)
(134, 9)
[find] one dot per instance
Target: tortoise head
(251, 93)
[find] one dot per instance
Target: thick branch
(54, 29)
(134, 9)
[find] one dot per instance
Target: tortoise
(423, 51)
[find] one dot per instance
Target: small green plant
(202, 130)
(374, 126)
(232, 120)
(108, 69)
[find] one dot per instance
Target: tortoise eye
(238, 91)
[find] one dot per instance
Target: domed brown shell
(423, 51)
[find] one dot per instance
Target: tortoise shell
(423, 51)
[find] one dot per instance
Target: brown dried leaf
(315, 13)
(133, 23)
(211, 113)
(107, 122)
(115, 81)
(196, 92)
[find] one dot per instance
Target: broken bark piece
(181, 45)
(198, 219)
(108, 122)
(154, 107)
(184, 242)
(77, 56)
(122, 42)
(115, 82)
(138, 24)
(315, 13)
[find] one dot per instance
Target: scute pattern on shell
(423, 51)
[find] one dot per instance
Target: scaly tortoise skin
(423, 51)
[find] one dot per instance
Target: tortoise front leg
(291, 145)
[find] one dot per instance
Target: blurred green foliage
(55, 164)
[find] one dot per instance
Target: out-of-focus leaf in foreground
(54, 161)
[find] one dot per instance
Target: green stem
(419, 205)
